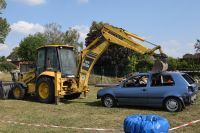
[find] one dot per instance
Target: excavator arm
(110, 35)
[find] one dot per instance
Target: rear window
(188, 78)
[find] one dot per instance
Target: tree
(4, 26)
(14, 56)
(2, 5)
(145, 63)
(133, 61)
(172, 64)
(28, 46)
(7, 66)
(2, 58)
(71, 36)
(53, 34)
(197, 46)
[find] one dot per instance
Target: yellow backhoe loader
(58, 75)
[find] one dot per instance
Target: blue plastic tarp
(146, 124)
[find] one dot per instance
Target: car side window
(168, 80)
(137, 81)
(162, 80)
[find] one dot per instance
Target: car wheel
(173, 105)
(108, 101)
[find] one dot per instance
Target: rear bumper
(189, 99)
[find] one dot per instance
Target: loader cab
(56, 58)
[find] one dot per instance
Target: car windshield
(188, 78)
(68, 61)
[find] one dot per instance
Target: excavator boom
(110, 35)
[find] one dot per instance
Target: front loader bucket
(5, 89)
(159, 66)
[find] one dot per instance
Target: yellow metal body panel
(57, 45)
(31, 87)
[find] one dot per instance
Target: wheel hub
(108, 102)
(43, 90)
(17, 92)
(172, 104)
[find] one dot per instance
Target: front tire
(18, 92)
(173, 105)
(45, 90)
(108, 101)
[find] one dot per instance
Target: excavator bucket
(5, 89)
(159, 66)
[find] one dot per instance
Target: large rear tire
(18, 92)
(45, 90)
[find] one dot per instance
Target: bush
(7, 66)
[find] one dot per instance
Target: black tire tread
(114, 101)
(51, 97)
(180, 108)
(22, 92)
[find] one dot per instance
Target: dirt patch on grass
(5, 76)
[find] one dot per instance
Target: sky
(173, 24)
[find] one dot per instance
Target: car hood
(109, 89)
(112, 87)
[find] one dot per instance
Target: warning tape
(89, 129)
(63, 127)
(184, 125)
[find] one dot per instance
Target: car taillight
(190, 89)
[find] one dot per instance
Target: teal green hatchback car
(171, 90)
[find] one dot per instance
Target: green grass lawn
(84, 113)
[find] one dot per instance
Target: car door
(160, 85)
(132, 93)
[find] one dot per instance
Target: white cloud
(26, 27)
(3, 47)
(83, 1)
(32, 2)
(175, 48)
(82, 30)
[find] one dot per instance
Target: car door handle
(144, 89)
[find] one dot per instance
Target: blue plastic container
(146, 124)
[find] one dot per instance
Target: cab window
(52, 59)
(40, 60)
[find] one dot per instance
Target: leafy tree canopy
(2, 5)
(27, 47)
(4, 26)
(14, 54)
